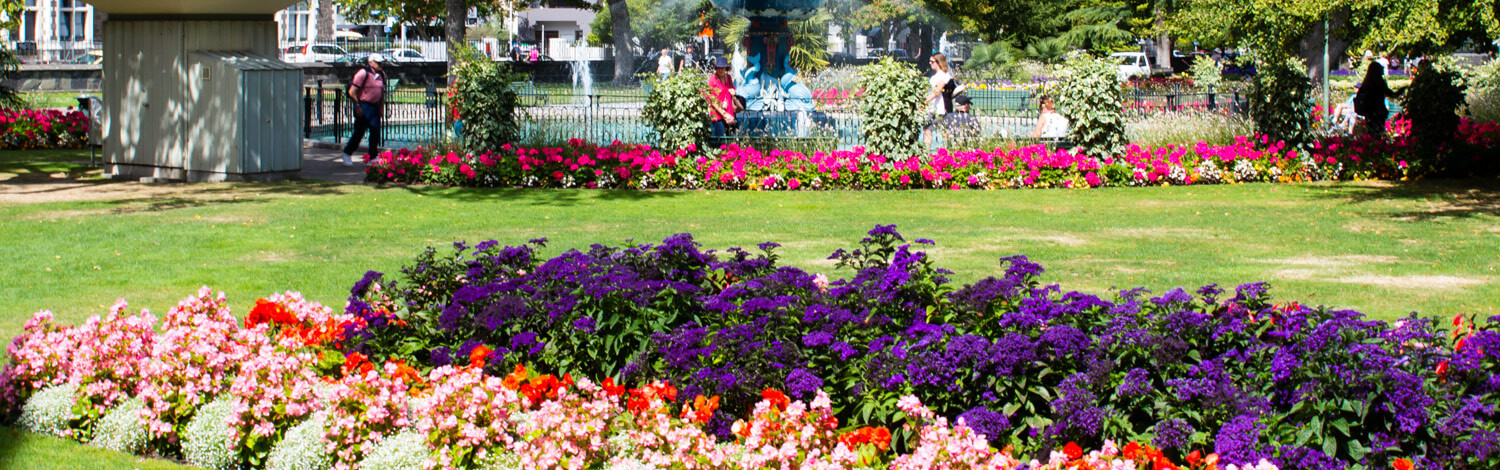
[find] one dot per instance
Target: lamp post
(1326, 110)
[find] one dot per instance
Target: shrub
(303, 447)
(1089, 96)
(50, 411)
(678, 111)
(1432, 103)
(42, 129)
(893, 110)
(209, 442)
(486, 102)
(1166, 129)
(1484, 92)
(121, 429)
(1206, 73)
(1281, 102)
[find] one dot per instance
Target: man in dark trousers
(367, 91)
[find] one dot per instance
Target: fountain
(582, 75)
(775, 101)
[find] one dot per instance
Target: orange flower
(1402, 464)
(1073, 451)
(1132, 451)
(1194, 457)
(405, 373)
(478, 356)
(514, 379)
(357, 364)
(1161, 463)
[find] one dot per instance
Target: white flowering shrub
(209, 441)
(51, 410)
(404, 451)
(303, 447)
(121, 429)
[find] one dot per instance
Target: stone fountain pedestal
(776, 103)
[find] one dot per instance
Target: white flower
(49, 410)
(121, 429)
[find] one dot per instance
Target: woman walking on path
(939, 95)
(1369, 102)
(720, 98)
(367, 90)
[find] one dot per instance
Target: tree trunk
(1312, 47)
(619, 27)
(453, 27)
(1163, 43)
(926, 44)
(325, 20)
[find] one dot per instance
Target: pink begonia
(194, 359)
(274, 389)
(108, 359)
(363, 410)
(467, 412)
(41, 356)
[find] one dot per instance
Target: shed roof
(190, 7)
(246, 61)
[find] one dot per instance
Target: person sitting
(1049, 124)
(1343, 117)
(960, 124)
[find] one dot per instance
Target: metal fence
(553, 113)
(59, 52)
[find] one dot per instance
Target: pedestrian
(939, 95)
(689, 59)
(960, 124)
(1369, 102)
(664, 63)
(1049, 124)
(720, 95)
(533, 55)
(367, 92)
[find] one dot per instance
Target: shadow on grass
(536, 197)
(11, 442)
(1446, 198)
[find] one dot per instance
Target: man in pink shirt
(720, 97)
(367, 90)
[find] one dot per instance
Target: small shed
(192, 91)
(244, 102)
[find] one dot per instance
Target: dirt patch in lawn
(1414, 282)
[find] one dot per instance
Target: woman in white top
(939, 94)
(1050, 125)
(664, 63)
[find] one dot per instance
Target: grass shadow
(535, 197)
(1446, 198)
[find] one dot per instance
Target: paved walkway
(324, 161)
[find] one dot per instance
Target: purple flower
(1136, 383)
(817, 338)
(802, 384)
(1173, 434)
(989, 424)
(1238, 441)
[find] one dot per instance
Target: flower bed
(274, 412)
(618, 165)
(46, 129)
(727, 360)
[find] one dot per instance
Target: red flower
(356, 363)
(1194, 457)
(1073, 451)
(1402, 464)
(1161, 463)
(611, 389)
(1132, 451)
(478, 356)
(776, 398)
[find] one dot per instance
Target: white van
(314, 53)
(1132, 64)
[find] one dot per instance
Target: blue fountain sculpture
(774, 99)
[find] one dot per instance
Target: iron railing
(554, 113)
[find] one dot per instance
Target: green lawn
(46, 165)
(1429, 247)
(24, 450)
(58, 99)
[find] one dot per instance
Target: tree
(325, 20)
(10, 18)
(1020, 21)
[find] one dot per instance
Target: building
(55, 31)
(556, 28)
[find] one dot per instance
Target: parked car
(356, 59)
(1132, 64)
(91, 57)
(403, 55)
(314, 53)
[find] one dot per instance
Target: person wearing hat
(367, 92)
(959, 124)
(720, 95)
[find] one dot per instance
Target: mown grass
(24, 450)
(1385, 250)
(46, 165)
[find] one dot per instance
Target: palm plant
(1048, 51)
(809, 51)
